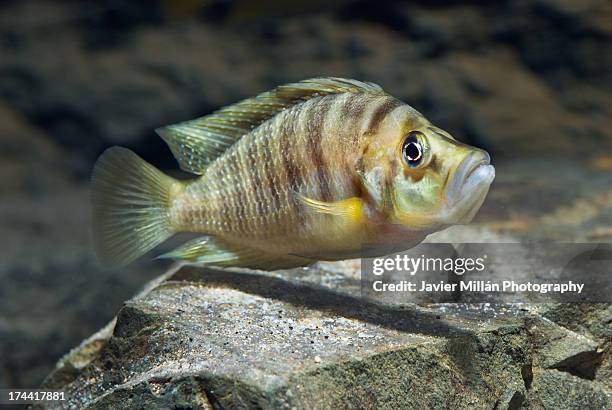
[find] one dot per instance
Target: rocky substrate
(528, 81)
(305, 338)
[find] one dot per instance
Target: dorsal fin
(197, 142)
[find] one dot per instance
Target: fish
(321, 169)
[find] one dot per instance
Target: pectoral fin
(213, 252)
(350, 208)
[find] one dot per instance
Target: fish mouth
(469, 186)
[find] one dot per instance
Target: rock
(559, 348)
(307, 339)
(593, 321)
(553, 389)
(530, 81)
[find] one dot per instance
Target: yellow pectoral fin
(352, 209)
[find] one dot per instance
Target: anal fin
(210, 251)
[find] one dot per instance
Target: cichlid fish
(309, 171)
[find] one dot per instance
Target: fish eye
(412, 149)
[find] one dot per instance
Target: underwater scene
(306, 204)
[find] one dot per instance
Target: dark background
(530, 81)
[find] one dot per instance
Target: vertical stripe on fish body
(249, 195)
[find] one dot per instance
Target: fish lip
(466, 169)
(477, 164)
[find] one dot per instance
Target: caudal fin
(131, 201)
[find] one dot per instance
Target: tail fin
(131, 201)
